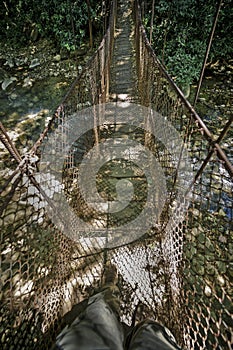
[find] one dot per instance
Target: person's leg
(150, 335)
(98, 326)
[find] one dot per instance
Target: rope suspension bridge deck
(123, 75)
(125, 172)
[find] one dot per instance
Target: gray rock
(34, 33)
(34, 63)
(221, 266)
(195, 231)
(7, 82)
(79, 52)
(210, 269)
(9, 219)
(57, 58)
(201, 259)
(222, 239)
(35, 99)
(230, 270)
(64, 54)
(201, 238)
(186, 91)
(209, 245)
(3, 75)
(207, 291)
(221, 280)
(199, 269)
(20, 61)
(13, 96)
(27, 82)
(9, 62)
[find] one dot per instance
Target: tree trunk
(90, 23)
(152, 20)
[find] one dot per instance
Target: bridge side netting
(43, 273)
(206, 238)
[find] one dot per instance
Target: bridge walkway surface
(123, 68)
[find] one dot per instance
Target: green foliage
(64, 21)
(181, 31)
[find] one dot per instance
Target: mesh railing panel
(206, 242)
(44, 273)
(208, 261)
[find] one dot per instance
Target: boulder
(57, 58)
(7, 82)
(34, 63)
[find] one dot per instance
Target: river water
(20, 103)
(26, 108)
(215, 104)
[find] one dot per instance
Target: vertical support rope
(8, 144)
(207, 53)
(152, 21)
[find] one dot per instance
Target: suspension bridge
(175, 261)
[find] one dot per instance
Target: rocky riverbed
(215, 102)
(33, 81)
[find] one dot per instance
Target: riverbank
(33, 81)
(38, 61)
(215, 102)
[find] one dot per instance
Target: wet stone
(199, 269)
(7, 82)
(230, 252)
(207, 291)
(201, 259)
(201, 238)
(13, 96)
(221, 280)
(221, 266)
(195, 231)
(57, 58)
(34, 63)
(210, 269)
(222, 239)
(209, 245)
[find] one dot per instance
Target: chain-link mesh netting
(179, 271)
(206, 236)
